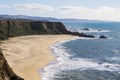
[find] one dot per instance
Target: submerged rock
(99, 30)
(107, 66)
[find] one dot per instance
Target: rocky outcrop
(6, 73)
(81, 34)
(12, 28)
(86, 29)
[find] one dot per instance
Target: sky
(79, 9)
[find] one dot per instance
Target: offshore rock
(103, 37)
(87, 29)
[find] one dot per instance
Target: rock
(107, 66)
(99, 30)
(103, 37)
(81, 34)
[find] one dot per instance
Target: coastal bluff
(14, 27)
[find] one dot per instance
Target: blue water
(87, 59)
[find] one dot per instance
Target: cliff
(12, 28)
(6, 72)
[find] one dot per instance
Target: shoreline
(45, 72)
(27, 54)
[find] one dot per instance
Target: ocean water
(85, 58)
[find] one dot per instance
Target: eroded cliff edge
(6, 73)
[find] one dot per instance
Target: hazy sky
(81, 9)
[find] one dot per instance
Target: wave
(93, 30)
(65, 63)
(88, 30)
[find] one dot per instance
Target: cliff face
(11, 28)
(48, 27)
(6, 72)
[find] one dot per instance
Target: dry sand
(27, 54)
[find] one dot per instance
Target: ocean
(86, 58)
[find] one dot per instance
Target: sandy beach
(27, 54)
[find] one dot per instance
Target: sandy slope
(27, 54)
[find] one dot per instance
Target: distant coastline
(50, 19)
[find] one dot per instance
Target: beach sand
(27, 54)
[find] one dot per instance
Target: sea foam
(65, 63)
